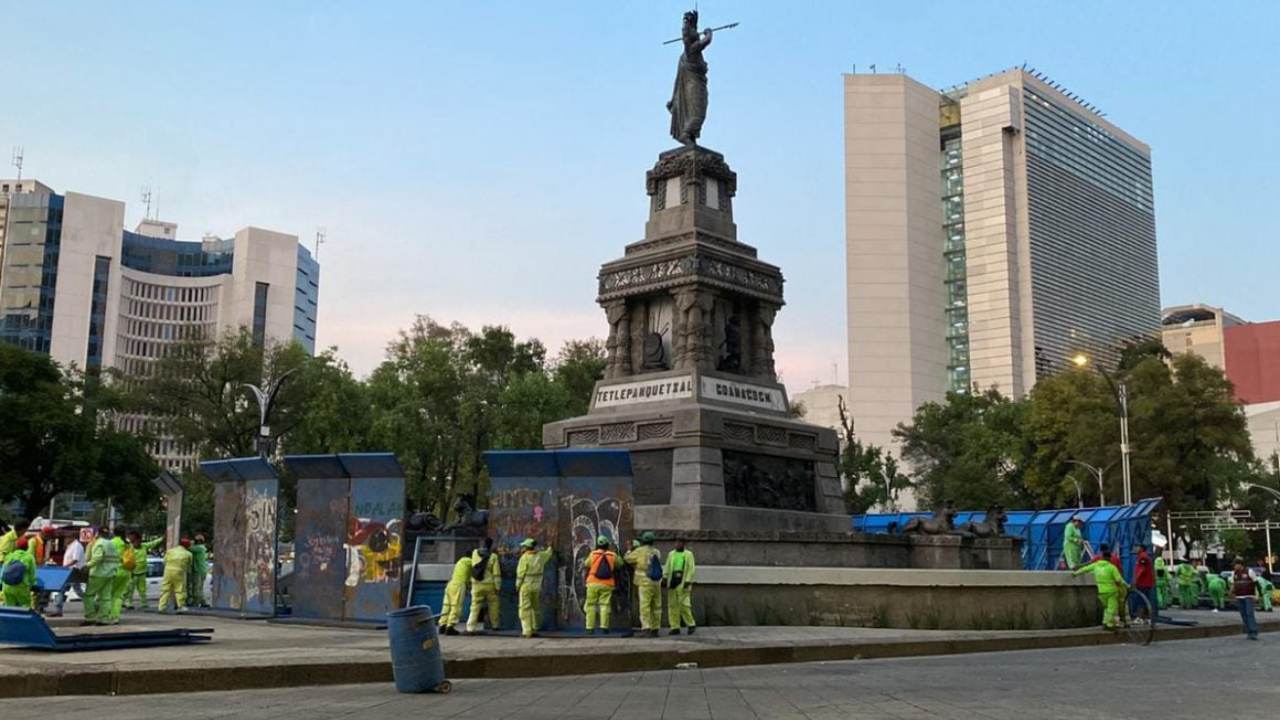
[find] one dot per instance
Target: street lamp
(1121, 393)
(266, 400)
(1098, 474)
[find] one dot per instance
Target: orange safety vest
(597, 557)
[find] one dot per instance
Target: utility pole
(1121, 393)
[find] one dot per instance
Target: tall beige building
(75, 285)
(1198, 329)
(993, 231)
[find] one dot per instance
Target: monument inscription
(643, 391)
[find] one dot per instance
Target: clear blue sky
(477, 161)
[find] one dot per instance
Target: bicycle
(1140, 630)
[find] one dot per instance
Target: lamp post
(1267, 522)
(1098, 473)
(266, 401)
(1121, 393)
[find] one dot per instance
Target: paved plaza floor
(258, 654)
(1196, 678)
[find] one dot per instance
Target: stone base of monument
(704, 459)
(846, 550)
(893, 598)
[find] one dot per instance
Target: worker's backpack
(128, 559)
(655, 568)
(14, 573)
(604, 570)
(478, 568)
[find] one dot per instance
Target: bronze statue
(688, 104)
(943, 523)
(471, 522)
(991, 527)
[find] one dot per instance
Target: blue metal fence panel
(1124, 527)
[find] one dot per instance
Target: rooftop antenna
(320, 239)
(146, 200)
(17, 160)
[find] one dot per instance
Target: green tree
(968, 450)
(577, 368)
(1235, 542)
(529, 401)
(869, 475)
(336, 414)
(199, 388)
(56, 436)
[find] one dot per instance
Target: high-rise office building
(993, 231)
(75, 285)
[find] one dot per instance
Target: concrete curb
(110, 680)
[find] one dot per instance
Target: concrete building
(821, 405)
(993, 231)
(1197, 329)
(76, 285)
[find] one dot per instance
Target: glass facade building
(29, 275)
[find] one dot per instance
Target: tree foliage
(869, 475)
(969, 450)
(57, 435)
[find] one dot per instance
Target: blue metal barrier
(1121, 526)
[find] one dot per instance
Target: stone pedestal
(690, 386)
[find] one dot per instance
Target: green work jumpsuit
(19, 595)
(1072, 546)
(1188, 586)
(1218, 591)
(529, 588)
(177, 563)
(484, 592)
(455, 593)
(199, 571)
(650, 591)
(1111, 589)
(680, 598)
(103, 562)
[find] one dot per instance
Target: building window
(98, 311)
(260, 314)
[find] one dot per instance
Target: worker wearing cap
(1217, 591)
(138, 575)
(1163, 594)
(1073, 543)
(486, 584)
(602, 571)
(643, 559)
(454, 593)
(103, 562)
(529, 585)
(18, 594)
(177, 563)
(1111, 588)
(677, 576)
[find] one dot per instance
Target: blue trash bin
(416, 661)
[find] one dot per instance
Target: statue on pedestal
(688, 103)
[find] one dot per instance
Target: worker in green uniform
(1073, 543)
(8, 540)
(199, 571)
(1188, 586)
(124, 575)
(1264, 593)
(486, 583)
(1111, 588)
(104, 561)
(138, 575)
(677, 576)
(19, 575)
(454, 594)
(602, 571)
(529, 585)
(173, 586)
(1217, 592)
(646, 560)
(1162, 583)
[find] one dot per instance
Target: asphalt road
(1226, 677)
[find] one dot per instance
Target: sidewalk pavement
(251, 654)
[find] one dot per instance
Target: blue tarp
(1121, 526)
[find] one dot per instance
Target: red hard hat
(22, 542)
(185, 542)
(47, 530)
